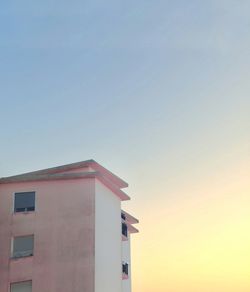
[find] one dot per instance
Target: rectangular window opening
(24, 202)
(21, 286)
(23, 246)
(123, 216)
(125, 268)
(125, 229)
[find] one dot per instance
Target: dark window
(124, 229)
(24, 202)
(23, 246)
(125, 268)
(21, 287)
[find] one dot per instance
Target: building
(63, 229)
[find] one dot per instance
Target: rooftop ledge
(110, 180)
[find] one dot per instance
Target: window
(124, 229)
(24, 202)
(21, 287)
(23, 246)
(125, 268)
(123, 216)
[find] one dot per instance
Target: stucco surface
(63, 228)
(108, 257)
(126, 283)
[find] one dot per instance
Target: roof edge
(67, 167)
(132, 229)
(46, 177)
(66, 176)
(122, 195)
(129, 218)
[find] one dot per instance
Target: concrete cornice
(129, 218)
(132, 229)
(68, 167)
(33, 177)
(46, 177)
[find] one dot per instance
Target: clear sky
(156, 91)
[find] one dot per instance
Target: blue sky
(156, 91)
(121, 82)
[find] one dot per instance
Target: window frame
(123, 216)
(14, 198)
(124, 229)
(20, 282)
(125, 268)
(12, 247)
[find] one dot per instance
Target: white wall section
(108, 251)
(126, 284)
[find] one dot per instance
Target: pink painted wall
(63, 228)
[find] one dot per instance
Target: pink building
(62, 230)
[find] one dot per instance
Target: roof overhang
(129, 218)
(77, 165)
(132, 229)
(110, 180)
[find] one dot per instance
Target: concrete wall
(126, 283)
(63, 228)
(108, 255)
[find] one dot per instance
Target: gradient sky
(156, 91)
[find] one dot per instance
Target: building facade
(63, 229)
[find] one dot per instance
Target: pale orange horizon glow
(198, 242)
